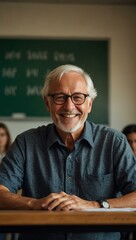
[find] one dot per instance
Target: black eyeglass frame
(66, 97)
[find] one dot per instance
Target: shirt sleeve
(124, 165)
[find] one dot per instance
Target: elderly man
(71, 164)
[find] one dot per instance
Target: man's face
(131, 137)
(69, 117)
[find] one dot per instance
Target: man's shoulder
(105, 130)
(38, 132)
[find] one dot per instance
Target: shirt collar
(52, 136)
(87, 135)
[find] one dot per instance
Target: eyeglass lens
(77, 98)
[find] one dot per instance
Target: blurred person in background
(5, 142)
(130, 132)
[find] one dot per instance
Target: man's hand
(62, 201)
(54, 201)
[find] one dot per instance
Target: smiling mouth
(69, 115)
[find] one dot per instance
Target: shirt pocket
(99, 186)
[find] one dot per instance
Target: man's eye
(60, 98)
(77, 98)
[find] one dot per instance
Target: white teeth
(69, 116)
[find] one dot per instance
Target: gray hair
(57, 74)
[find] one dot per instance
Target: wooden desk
(19, 220)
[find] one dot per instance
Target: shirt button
(69, 177)
(69, 172)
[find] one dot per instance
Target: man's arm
(54, 201)
(125, 201)
(11, 201)
(59, 201)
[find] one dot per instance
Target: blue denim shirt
(100, 165)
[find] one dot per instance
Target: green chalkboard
(24, 64)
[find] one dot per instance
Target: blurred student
(130, 132)
(5, 142)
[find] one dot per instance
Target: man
(130, 132)
(71, 164)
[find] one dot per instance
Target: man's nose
(69, 104)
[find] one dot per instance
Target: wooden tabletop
(21, 217)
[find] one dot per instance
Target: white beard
(70, 130)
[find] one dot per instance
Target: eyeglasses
(61, 98)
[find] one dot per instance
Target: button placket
(69, 175)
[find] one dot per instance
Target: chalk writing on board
(10, 90)
(33, 90)
(12, 55)
(62, 56)
(8, 72)
(32, 72)
(37, 55)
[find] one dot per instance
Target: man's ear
(90, 105)
(47, 103)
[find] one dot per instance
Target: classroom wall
(118, 23)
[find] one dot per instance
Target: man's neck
(69, 138)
